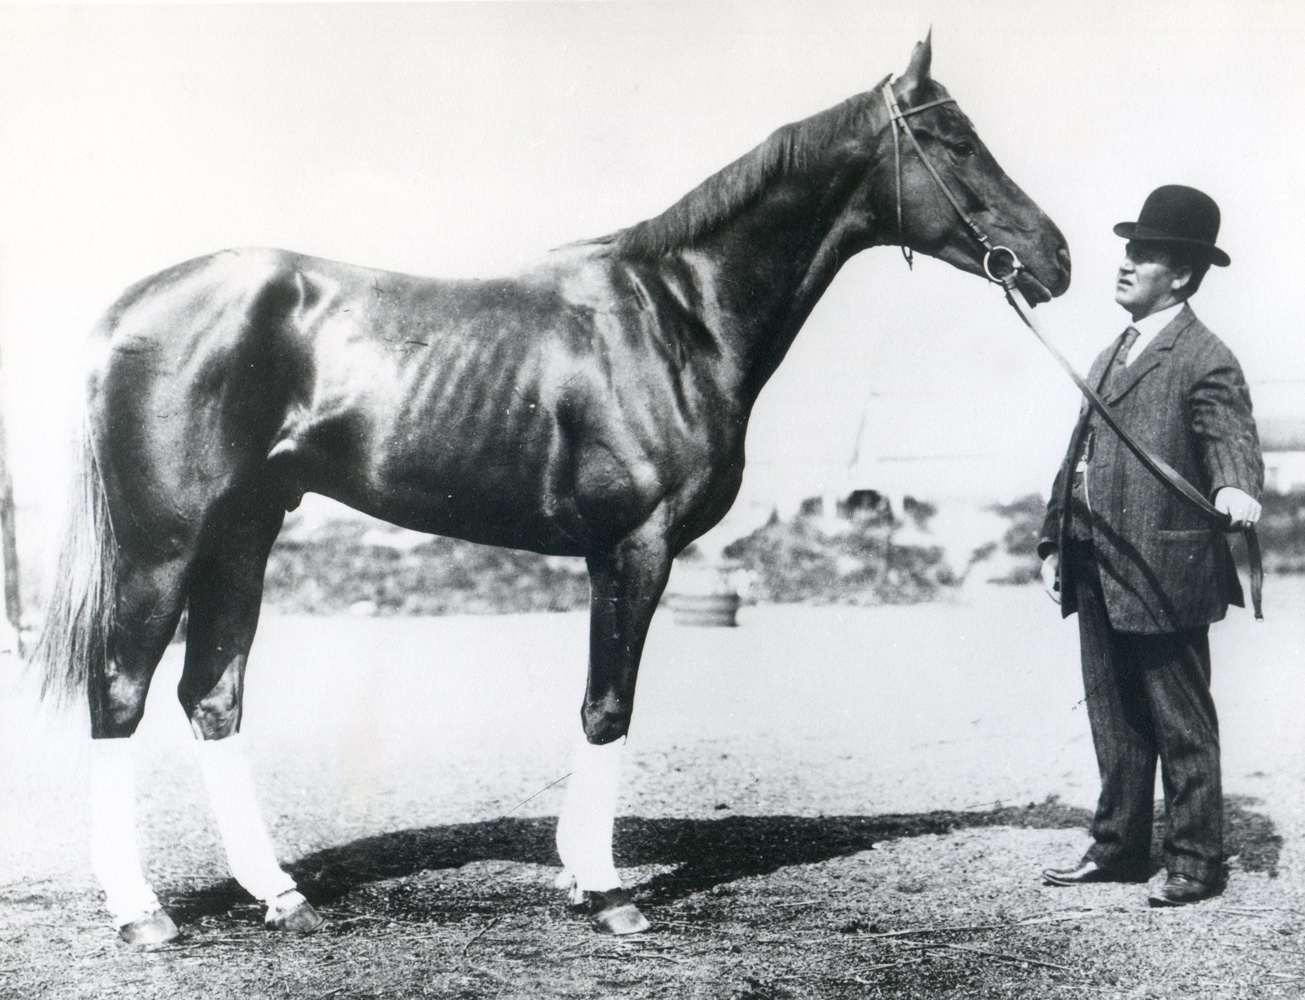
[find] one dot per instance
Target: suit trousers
(1148, 695)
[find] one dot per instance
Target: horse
(595, 405)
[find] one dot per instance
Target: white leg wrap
(584, 829)
(114, 856)
(231, 793)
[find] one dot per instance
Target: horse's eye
(963, 148)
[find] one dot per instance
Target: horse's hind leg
(148, 606)
(225, 592)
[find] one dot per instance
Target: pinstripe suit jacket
(1162, 567)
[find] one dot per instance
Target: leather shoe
(1085, 874)
(1179, 890)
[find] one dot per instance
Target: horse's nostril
(1062, 255)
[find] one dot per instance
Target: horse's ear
(918, 71)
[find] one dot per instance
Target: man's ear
(1181, 281)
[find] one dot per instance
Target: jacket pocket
(1185, 574)
(1184, 535)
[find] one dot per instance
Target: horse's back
(522, 411)
(420, 400)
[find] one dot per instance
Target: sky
(468, 139)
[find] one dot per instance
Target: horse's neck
(769, 266)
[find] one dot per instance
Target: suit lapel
(1152, 356)
(1123, 383)
(1096, 374)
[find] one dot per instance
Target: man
(1146, 573)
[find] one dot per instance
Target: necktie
(1080, 516)
(1130, 338)
(1121, 357)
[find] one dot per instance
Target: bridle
(897, 122)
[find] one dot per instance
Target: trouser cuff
(1203, 872)
(1113, 862)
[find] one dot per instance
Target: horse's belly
(500, 490)
(493, 505)
(548, 535)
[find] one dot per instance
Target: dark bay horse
(594, 405)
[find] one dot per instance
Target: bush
(1021, 539)
(337, 569)
(796, 561)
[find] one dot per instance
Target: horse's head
(941, 137)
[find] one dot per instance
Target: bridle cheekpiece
(897, 122)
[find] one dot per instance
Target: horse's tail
(74, 643)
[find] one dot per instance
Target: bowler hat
(1181, 216)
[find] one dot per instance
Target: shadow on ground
(704, 853)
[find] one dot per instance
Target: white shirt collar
(1148, 326)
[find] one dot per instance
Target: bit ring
(1015, 265)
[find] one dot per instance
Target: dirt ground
(828, 802)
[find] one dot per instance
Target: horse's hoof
(156, 927)
(613, 912)
(291, 912)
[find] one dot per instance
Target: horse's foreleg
(584, 827)
(225, 594)
(625, 584)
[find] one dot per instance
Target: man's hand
(1239, 506)
(1050, 567)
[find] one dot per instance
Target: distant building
(1283, 442)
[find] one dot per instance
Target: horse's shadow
(702, 853)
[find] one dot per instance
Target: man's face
(1147, 280)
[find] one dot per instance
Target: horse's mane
(725, 193)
